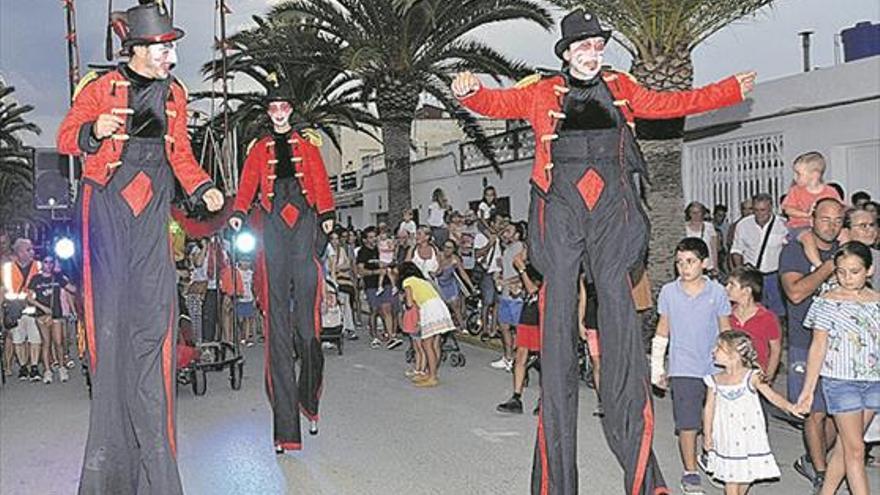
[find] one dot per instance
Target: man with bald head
(800, 283)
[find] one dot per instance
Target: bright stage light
(245, 242)
(64, 248)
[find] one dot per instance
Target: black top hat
(276, 90)
(579, 25)
(149, 23)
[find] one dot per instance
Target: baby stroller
(449, 348)
(331, 318)
(473, 309)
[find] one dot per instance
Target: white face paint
(162, 57)
(585, 57)
(279, 112)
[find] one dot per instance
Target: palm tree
(15, 160)
(400, 50)
(323, 96)
(661, 36)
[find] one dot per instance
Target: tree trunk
(665, 196)
(665, 200)
(396, 100)
(396, 140)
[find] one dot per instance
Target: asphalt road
(379, 435)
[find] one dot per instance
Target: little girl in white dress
(735, 434)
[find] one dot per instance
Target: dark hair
(490, 188)
(454, 244)
(855, 248)
(408, 269)
(837, 187)
(720, 207)
(858, 196)
(694, 245)
(761, 198)
(750, 278)
(687, 209)
(435, 196)
(367, 231)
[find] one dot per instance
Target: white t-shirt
(435, 215)
(748, 237)
(485, 211)
(247, 285)
(409, 227)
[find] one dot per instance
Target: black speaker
(51, 180)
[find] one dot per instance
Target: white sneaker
(47, 377)
(502, 364)
(375, 344)
(63, 375)
(380, 290)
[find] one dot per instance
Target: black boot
(513, 406)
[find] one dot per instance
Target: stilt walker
(584, 203)
(298, 214)
(131, 124)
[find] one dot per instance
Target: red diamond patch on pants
(289, 214)
(590, 188)
(138, 193)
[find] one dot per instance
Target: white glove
(658, 356)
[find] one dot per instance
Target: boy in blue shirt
(693, 310)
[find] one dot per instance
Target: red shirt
(762, 328)
(799, 198)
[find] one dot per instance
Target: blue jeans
(846, 396)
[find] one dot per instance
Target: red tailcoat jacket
(259, 173)
(540, 103)
(109, 94)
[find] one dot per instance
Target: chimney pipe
(805, 44)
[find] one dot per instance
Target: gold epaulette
(250, 145)
(182, 86)
(528, 81)
(90, 77)
(312, 136)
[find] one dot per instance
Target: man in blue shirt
(800, 282)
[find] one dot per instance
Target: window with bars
(728, 172)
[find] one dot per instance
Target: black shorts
(688, 396)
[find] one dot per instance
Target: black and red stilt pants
(292, 240)
(130, 299)
(591, 211)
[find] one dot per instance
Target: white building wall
(846, 127)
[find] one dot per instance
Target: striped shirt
(853, 337)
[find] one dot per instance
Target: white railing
(728, 172)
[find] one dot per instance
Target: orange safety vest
(15, 283)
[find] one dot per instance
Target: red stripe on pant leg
(319, 291)
(542, 440)
(267, 358)
(88, 294)
(168, 366)
(645, 448)
(168, 376)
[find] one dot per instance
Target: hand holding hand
(804, 403)
(746, 81)
(213, 199)
(107, 125)
(464, 84)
